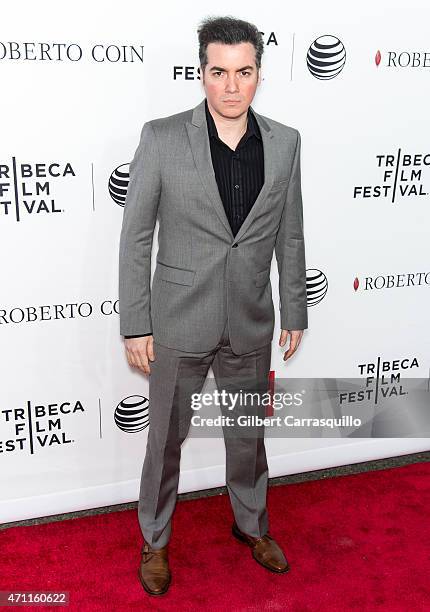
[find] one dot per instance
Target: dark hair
(229, 31)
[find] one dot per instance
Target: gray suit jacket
(203, 273)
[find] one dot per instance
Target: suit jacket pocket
(262, 277)
(175, 275)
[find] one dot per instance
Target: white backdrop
(72, 116)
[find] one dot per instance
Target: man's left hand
(295, 339)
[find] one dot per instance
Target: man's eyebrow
(238, 70)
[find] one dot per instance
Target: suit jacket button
(234, 245)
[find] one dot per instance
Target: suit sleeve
(135, 246)
(290, 253)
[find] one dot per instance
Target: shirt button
(236, 186)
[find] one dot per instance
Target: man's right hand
(139, 351)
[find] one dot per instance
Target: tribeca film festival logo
(28, 188)
(401, 177)
(326, 57)
(32, 427)
(382, 379)
(393, 281)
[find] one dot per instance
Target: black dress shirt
(239, 174)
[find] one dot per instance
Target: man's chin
(232, 110)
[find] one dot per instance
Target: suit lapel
(200, 147)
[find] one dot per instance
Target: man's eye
(244, 72)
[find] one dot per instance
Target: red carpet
(357, 542)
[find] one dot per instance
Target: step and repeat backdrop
(77, 88)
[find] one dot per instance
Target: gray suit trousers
(170, 416)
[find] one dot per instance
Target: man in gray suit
(224, 183)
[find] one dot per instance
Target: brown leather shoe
(265, 550)
(154, 573)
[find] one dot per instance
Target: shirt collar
(251, 130)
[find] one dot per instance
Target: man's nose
(232, 84)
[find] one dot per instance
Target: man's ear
(259, 76)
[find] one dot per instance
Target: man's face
(230, 78)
